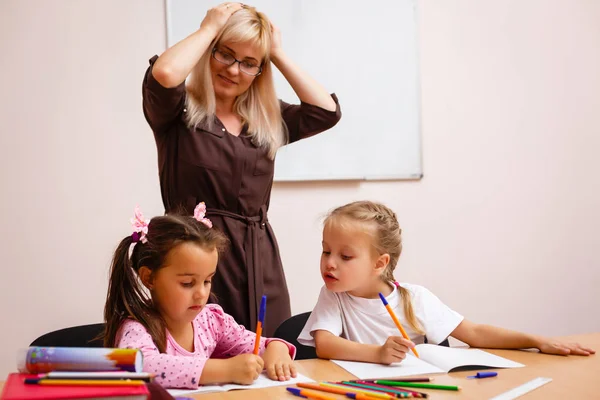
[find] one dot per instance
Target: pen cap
(263, 309)
(295, 391)
(382, 297)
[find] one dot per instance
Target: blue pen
(308, 394)
(483, 375)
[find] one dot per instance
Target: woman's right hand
(217, 17)
(245, 368)
(394, 350)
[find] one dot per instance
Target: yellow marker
(85, 382)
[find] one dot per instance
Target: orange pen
(260, 322)
(402, 331)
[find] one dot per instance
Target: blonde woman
(217, 122)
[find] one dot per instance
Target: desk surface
(572, 377)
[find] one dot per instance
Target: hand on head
(217, 17)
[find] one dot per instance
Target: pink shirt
(216, 335)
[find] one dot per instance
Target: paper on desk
(262, 382)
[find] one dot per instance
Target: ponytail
(127, 298)
(409, 311)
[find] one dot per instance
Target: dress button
(223, 129)
(185, 110)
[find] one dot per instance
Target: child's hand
(245, 368)
(394, 350)
(551, 346)
(278, 363)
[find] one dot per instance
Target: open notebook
(262, 382)
(433, 359)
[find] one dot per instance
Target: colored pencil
(381, 387)
(417, 385)
(360, 394)
(388, 390)
(356, 390)
(399, 379)
(259, 323)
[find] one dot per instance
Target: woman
(217, 136)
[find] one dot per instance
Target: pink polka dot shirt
(216, 335)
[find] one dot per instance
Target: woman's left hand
(278, 363)
(551, 346)
(275, 41)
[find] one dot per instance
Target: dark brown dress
(234, 178)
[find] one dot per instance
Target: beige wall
(503, 227)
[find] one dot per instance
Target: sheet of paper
(410, 366)
(448, 358)
(262, 382)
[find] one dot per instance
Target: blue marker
(483, 375)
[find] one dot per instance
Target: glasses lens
(249, 69)
(225, 58)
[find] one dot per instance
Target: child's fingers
(398, 355)
(293, 371)
(279, 370)
(286, 372)
(271, 373)
(580, 351)
(260, 362)
(403, 342)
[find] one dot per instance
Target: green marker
(417, 385)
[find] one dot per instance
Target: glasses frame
(235, 60)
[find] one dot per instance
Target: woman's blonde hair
(259, 105)
(382, 224)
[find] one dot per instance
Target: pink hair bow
(199, 214)
(140, 226)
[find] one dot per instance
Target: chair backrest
(76, 336)
(290, 329)
(444, 342)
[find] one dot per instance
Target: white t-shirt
(368, 321)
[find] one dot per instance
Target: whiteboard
(365, 54)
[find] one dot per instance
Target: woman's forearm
(175, 64)
(307, 89)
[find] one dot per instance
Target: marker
(309, 394)
(483, 375)
(400, 328)
(417, 385)
(260, 323)
(84, 382)
(340, 390)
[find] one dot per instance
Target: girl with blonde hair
(362, 243)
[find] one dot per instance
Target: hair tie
(199, 214)
(140, 226)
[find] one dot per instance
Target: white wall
(503, 227)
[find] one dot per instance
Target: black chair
(76, 336)
(442, 343)
(290, 329)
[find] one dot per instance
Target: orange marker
(260, 322)
(402, 331)
(360, 394)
